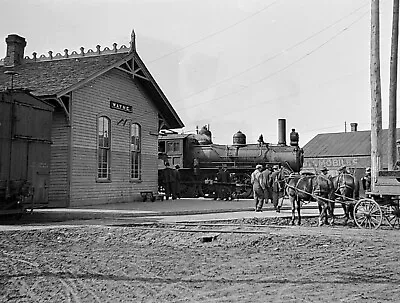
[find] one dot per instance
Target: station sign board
(121, 106)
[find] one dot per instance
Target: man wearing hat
(343, 170)
(366, 180)
(257, 180)
(267, 184)
(324, 173)
(278, 187)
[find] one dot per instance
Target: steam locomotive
(200, 159)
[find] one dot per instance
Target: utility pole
(392, 152)
(376, 99)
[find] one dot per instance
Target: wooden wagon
(381, 204)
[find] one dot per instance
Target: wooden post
(392, 152)
(376, 100)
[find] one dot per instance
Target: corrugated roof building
(334, 150)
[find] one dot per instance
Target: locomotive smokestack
(282, 131)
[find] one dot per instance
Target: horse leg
(293, 202)
(298, 211)
(346, 213)
(350, 209)
(331, 212)
(326, 210)
(322, 212)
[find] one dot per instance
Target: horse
(302, 188)
(346, 189)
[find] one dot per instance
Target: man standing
(324, 172)
(177, 181)
(169, 182)
(278, 188)
(197, 179)
(266, 178)
(366, 180)
(223, 177)
(257, 180)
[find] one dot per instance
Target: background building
(352, 149)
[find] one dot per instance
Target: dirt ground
(158, 264)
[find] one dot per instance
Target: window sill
(136, 181)
(102, 181)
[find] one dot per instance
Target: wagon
(381, 204)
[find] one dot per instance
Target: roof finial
(133, 41)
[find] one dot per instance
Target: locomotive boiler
(200, 159)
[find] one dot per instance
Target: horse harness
(316, 190)
(343, 184)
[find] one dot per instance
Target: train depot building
(107, 111)
(352, 149)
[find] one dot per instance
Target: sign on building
(120, 106)
(336, 162)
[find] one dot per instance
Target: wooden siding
(58, 191)
(92, 101)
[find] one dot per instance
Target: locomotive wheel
(187, 189)
(368, 214)
(208, 191)
(244, 180)
(392, 215)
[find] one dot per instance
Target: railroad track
(191, 227)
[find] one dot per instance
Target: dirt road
(130, 264)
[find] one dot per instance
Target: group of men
(171, 181)
(341, 170)
(365, 180)
(268, 184)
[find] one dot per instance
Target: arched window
(104, 148)
(135, 150)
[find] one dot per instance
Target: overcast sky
(232, 64)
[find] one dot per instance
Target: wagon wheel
(368, 214)
(392, 215)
